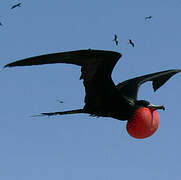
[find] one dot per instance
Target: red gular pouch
(143, 123)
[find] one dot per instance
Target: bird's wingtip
(177, 70)
(5, 66)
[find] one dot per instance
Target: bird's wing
(96, 69)
(132, 43)
(130, 87)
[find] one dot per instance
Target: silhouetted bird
(102, 97)
(59, 101)
(115, 39)
(148, 17)
(131, 42)
(16, 5)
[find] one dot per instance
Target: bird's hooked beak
(152, 106)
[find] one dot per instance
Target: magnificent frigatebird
(131, 42)
(115, 39)
(16, 5)
(103, 98)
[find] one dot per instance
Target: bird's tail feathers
(76, 111)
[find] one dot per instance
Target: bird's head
(145, 119)
(146, 104)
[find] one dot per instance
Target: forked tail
(76, 111)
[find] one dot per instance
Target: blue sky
(79, 146)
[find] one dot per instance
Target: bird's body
(102, 97)
(115, 39)
(148, 17)
(131, 43)
(59, 101)
(16, 5)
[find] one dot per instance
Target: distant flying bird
(131, 42)
(148, 17)
(16, 5)
(1, 24)
(102, 97)
(115, 39)
(59, 101)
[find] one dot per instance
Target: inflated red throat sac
(143, 123)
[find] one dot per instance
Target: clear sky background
(79, 146)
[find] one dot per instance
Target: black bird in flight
(148, 17)
(16, 5)
(131, 42)
(115, 39)
(59, 101)
(102, 97)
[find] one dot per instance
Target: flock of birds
(116, 41)
(129, 40)
(102, 97)
(115, 36)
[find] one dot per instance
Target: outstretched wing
(130, 87)
(96, 69)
